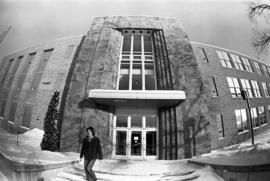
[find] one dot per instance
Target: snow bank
(34, 133)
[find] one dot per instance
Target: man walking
(91, 150)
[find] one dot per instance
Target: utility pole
(4, 34)
(245, 97)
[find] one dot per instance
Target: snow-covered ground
(242, 154)
(28, 150)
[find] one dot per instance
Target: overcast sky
(217, 22)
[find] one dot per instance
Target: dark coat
(91, 150)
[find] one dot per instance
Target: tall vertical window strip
(256, 88)
(246, 86)
(234, 87)
(265, 89)
(262, 115)
(220, 126)
(213, 86)
(241, 120)
(237, 62)
(246, 64)
(203, 55)
(224, 59)
(137, 70)
(258, 69)
(6, 69)
(44, 60)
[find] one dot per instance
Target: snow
(28, 149)
(242, 154)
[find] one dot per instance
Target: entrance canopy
(153, 98)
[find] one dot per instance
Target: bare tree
(259, 13)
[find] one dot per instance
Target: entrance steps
(184, 172)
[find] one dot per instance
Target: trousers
(90, 174)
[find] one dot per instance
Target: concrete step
(77, 173)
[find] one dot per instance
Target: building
(148, 90)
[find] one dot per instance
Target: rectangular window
(247, 64)
(262, 115)
(3, 106)
(258, 69)
(224, 59)
(27, 115)
(256, 88)
(246, 86)
(241, 120)
(149, 77)
(12, 111)
(265, 89)
(203, 55)
(220, 126)
(234, 87)
(254, 117)
(213, 86)
(237, 62)
(137, 70)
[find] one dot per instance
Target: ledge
(155, 98)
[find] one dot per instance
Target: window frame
(143, 59)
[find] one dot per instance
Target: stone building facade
(149, 91)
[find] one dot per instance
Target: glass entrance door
(135, 136)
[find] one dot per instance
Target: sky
(216, 22)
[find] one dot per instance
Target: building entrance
(135, 136)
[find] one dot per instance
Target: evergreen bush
(51, 135)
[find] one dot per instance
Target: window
(256, 88)
(262, 115)
(137, 71)
(254, 117)
(241, 120)
(246, 86)
(265, 72)
(224, 59)
(213, 86)
(27, 116)
(3, 106)
(246, 64)
(220, 126)
(12, 111)
(268, 108)
(234, 87)
(237, 62)
(258, 69)
(203, 55)
(265, 89)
